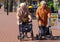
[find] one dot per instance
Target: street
(9, 28)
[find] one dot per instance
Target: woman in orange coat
(42, 14)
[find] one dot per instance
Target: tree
(11, 5)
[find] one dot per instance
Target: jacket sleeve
(49, 13)
(37, 12)
(17, 16)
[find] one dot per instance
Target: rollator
(47, 33)
(24, 29)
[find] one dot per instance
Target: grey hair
(22, 4)
(42, 2)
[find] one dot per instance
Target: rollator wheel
(39, 37)
(32, 36)
(20, 37)
(51, 37)
(48, 36)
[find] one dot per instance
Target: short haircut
(22, 4)
(42, 2)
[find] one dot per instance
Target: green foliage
(55, 8)
(49, 4)
(38, 4)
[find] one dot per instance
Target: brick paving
(9, 29)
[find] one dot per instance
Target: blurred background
(8, 25)
(31, 4)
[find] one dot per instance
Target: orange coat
(43, 15)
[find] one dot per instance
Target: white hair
(22, 4)
(42, 2)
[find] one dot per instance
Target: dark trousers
(21, 27)
(43, 30)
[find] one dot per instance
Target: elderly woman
(42, 14)
(23, 17)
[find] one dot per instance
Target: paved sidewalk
(9, 29)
